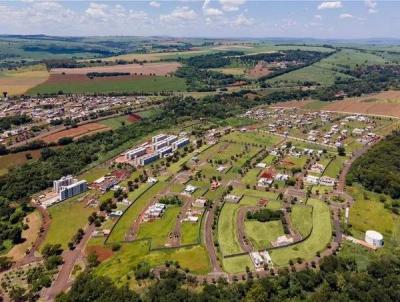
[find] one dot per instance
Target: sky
(204, 18)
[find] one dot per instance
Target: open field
(115, 122)
(138, 69)
(159, 229)
(123, 262)
(386, 103)
(76, 132)
(291, 104)
(319, 238)
(94, 173)
(121, 84)
(231, 70)
(20, 81)
(261, 234)
(237, 264)
(190, 232)
(66, 218)
(258, 71)
(301, 216)
(16, 159)
(34, 221)
(368, 213)
(157, 56)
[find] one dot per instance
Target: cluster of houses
(154, 211)
(161, 145)
(105, 183)
(196, 210)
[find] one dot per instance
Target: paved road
(209, 241)
(70, 257)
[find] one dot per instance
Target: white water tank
(374, 238)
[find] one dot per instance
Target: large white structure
(374, 238)
(135, 153)
(63, 182)
(73, 189)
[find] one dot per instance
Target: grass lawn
(115, 122)
(251, 177)
(94, 173)
(262, 233)
(66, 218)
(227, 233)
(319, 238)
(140, 198)
(361, 255)
(159, 229)
(123, 262)
(237, 264)
(252, 138)
(368, 213)
(301, 216)
(333, 169)
(190, 232)
(121, 85)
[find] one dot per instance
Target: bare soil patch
(364, 107)
(101, 252)
(259, 70)
(138, 69)
(76, 132)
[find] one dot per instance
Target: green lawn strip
(158, 229)
(261, 234)
(140, 198)
(190, 232)
(333, 169)
(227, 233)
(319, 238)
(237, 264)
(301, 217)
(123, 262)
(94, 173)
(251, 176)
(66, 218)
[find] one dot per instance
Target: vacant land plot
(138, 69)
(123, 262)
(66, 218)
(231, 70)
(20, 81)
(261, 234)
(157, 56)
(159, 229)
(121, 84)
(190, 232)
(237, 264)
(94, 173)
(252, 138)
(301, 216)
(319, 238)
(334, 167)
(16, 159)
(259, 71)
(369, 213)
(75, 132)
(115, 122)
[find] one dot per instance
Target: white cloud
(211, 11)
(182, 13)
(231, 5)
(346, 16)
(330, 5)
(96, 10)
(242, 20)
(318, 17)
(371, 5)
(155, 4)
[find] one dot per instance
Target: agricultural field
(19, 81)
(134, 69)
(77, 132)
(118, 84)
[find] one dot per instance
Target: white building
(374, 238)
(63, 182)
